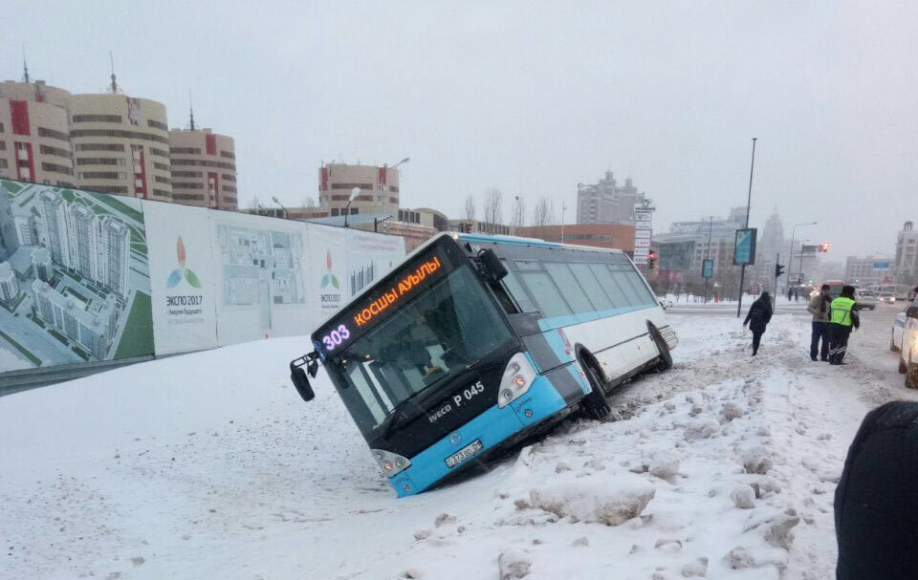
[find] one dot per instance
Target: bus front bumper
(490, 429)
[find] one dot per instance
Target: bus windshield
(443, 331)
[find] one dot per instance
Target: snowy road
(210, 466)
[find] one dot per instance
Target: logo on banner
(183, 308)
(182, 272)
(329, 278)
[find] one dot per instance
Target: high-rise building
(121, 145)
(83, 230)
(605, 202)
(53, 210)
(35, 134)
(203, 168)
(9, 285)
(868, 270)
(41, 263)
(907, 255)
(115, 255)
(378, 189)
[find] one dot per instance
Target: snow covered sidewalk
(209, 465)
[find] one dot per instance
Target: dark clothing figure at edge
(877, 498)
(758, 318)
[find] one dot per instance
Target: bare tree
(469, 207)
(493, 208)
(254, 203)
(519, 211)
(544, 212)
(309, 202)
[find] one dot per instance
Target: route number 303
(335, 337)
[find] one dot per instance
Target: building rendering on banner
(97, 249)
(9, 285)
(93, 330)
(906, 262)
(605, 202)
(111, 143)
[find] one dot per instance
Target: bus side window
(551, 301)
(610, 285)
(513, 286)
(591, 286)
(573, 293)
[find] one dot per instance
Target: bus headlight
(516, 380)
(390, 463)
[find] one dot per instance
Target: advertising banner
(370, 257)
(74, 281)
(329, 277)
(707, 268)
(744, 250)
(259, 271)
(181, 278)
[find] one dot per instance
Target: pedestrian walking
(819, 308)
(757, 318)
(842, 317)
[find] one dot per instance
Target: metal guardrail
(23, 380)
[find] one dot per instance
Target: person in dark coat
(758, 318)
(877, 498)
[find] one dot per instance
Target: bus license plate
(464, 453)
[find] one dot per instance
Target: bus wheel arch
(666, 357)
(594, 403)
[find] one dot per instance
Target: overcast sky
(530, 97)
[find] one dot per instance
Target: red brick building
(617, 236)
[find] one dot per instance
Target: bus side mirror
(299, 377)
(911, 312)
(491, 265)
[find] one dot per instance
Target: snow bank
(210, 465)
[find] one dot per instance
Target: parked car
(908, 347)
(867, 299)
(887, 297)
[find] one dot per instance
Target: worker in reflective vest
(843, 317)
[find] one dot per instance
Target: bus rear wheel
(595, 403)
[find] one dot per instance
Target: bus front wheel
(666, 358)
(595, 403)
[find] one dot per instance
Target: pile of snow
(209, 465)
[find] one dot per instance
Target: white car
(908, 346)
(887, 297)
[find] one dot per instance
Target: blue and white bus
(475, 342)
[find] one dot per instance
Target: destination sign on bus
(404, 286)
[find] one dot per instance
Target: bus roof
(487, 239)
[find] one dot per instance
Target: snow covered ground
(210, 466)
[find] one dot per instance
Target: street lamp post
(790, 261)
(563, 208)
(347, 209)
(284, 209)
(742, 279)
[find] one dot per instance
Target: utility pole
(563, 208)
(742, 279)
(707, 256)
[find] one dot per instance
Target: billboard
(74, 277)
(744, 249)
(707, 268)
(676, 256)
(259, 267)
(181, 278)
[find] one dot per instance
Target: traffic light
(779, 269)
(651, 259)
(824, 248)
